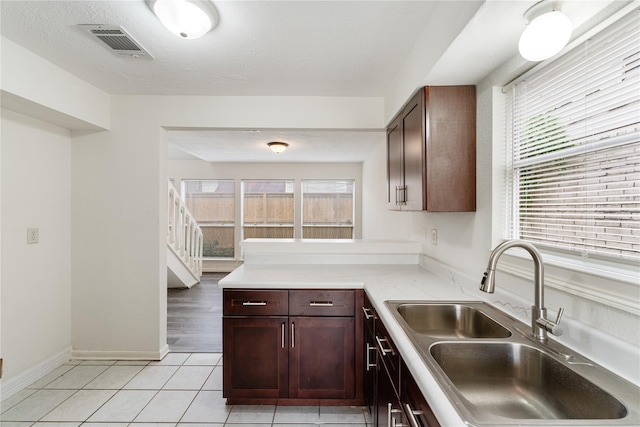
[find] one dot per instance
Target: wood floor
(194, 317)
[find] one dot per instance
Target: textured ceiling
(280, 48)
(326, 48)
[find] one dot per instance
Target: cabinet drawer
(255, 302)
(322, 303)
(370, 315)
(389, 356)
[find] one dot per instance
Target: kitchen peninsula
(386, 270)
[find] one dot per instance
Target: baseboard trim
(10, 386)
(120, 355)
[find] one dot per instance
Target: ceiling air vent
(117, 39)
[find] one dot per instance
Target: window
(212, 204)
(268, 209)
(327, 209)
(573, 128)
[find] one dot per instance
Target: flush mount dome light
(189, 19)
(277, 146)
(547, 32)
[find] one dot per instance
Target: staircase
(184, 244)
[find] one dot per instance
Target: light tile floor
(182, 390)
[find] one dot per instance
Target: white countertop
(382, 283)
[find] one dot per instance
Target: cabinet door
(255, 354)
(413, 120)
(395, 171)
(451, 148)
(322, 358)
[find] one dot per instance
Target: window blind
(573, 156)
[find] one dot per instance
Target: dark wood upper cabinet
(431, 151)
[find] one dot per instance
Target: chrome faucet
(540, 325)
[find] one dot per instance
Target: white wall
(35, 86)
(36, 278)
(119, 206)
(439, 31)
(377, 221)
(119, 237)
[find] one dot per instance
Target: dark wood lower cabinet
(279, 352)
(258, 357)
(321, 358)
(394, 399)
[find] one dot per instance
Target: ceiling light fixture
(189, 19)
(548, 31)
(277, 146)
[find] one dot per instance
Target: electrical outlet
(434, 236)
(33, 235)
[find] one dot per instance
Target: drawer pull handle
(369, 364)
(321, 304)
(382, 349)
(254, 303)
(367, 313)
(411, 414)
(391, 421)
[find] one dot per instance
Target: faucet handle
(552, 327)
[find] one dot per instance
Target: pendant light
(548, 31)
(189, 19)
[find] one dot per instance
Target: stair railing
(184, 235)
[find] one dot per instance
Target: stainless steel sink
(495, 373)
(520, 382)
(451, 320)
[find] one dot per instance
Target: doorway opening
(194, 317)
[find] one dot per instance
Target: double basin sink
(495, 374)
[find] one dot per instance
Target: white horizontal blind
(574, 148)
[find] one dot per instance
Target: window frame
(208, 224)
(352, 225)
(545, 171)
(611, 282)
(289, 183)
